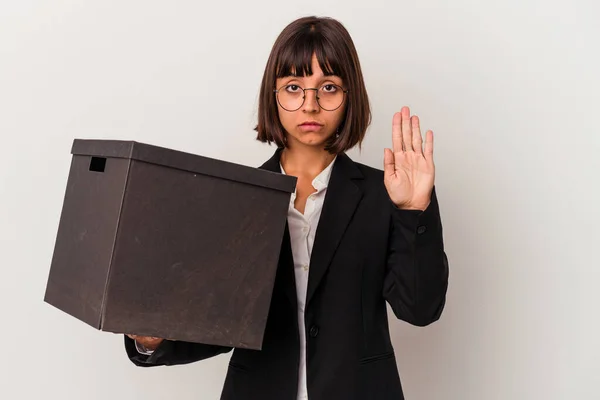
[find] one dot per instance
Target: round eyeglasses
(329, 97)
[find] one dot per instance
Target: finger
(417, 140)
(406, 130)
(397, 133)
(388, 163)
(429, 145)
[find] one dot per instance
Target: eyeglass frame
(344, 91)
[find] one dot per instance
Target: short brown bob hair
(292, 53)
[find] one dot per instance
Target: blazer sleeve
(172, 353)
(416, 278)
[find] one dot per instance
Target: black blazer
(366, 252)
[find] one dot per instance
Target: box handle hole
(97, 164)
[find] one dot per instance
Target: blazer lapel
(342, 197)
(286, 267)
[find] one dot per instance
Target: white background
(510, 89)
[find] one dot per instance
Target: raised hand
(409, 171)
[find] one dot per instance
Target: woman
(356, 237)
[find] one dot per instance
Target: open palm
(409, 171)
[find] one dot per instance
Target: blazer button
(421, 230)
(314, 331)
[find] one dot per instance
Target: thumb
(388, 163)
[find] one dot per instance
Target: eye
(292, 88)
(330, 88)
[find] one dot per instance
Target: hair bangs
(295, 58)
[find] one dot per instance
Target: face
(310, 125)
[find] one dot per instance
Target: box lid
(183, 161)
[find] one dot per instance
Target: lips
(311, 123)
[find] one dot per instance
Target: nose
(310, 100)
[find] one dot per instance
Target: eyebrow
(306, 76)
(324, 77)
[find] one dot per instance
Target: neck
(305, 161)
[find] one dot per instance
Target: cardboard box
(159, 242)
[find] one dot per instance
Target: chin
(312, 143)
(312, 140)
